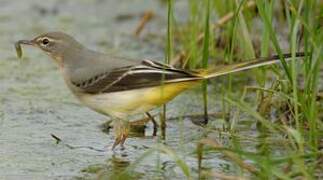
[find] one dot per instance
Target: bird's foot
(121, 129)
(119, 141)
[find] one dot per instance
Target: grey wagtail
(119, 87)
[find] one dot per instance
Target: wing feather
(146, 74)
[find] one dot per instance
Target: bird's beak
(27, 42)
(18, 46)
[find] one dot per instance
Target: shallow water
(35, 102)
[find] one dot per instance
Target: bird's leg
(140, 122)
(155, 125)
(145, 120)
(121, 130)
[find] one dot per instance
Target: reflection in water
(115, 168)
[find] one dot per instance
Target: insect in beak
(18, 46)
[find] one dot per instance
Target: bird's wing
(146, 74)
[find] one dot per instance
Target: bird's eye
(45, 41)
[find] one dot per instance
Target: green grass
(302, 131)
(205, 58)
(283, 101)
(169, 55)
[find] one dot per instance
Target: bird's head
(55, 44)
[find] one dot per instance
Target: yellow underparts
(161, 95)
(124, 103)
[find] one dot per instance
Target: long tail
(258, 62)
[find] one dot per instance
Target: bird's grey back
(85, 64)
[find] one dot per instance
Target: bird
(120, 87)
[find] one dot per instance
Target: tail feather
(258, 62)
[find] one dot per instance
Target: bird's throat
(58, 60)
